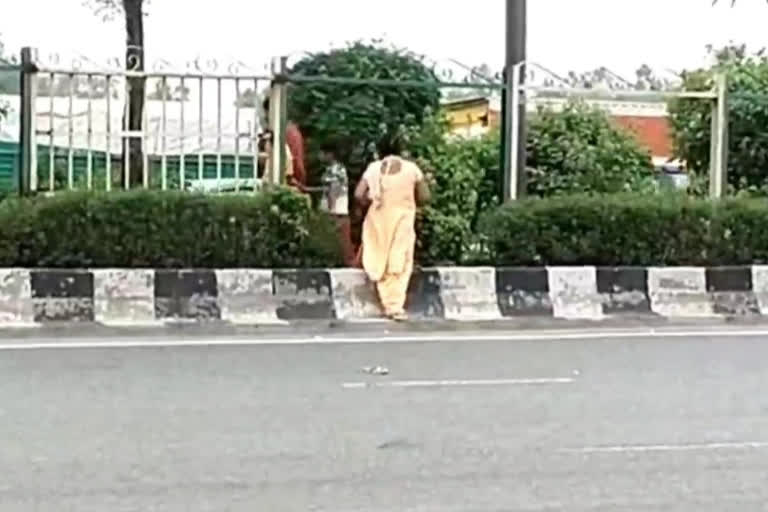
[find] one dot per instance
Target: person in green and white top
(336, 195)
(335, 200)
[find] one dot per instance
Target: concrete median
(136, 297)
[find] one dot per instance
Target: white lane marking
(455, 383)
(758, 445)
(567, 335)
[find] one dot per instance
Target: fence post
(278, 102)
(718, 161)
(515, 115)
(28, 122)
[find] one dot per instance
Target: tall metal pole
(513, 108)
(28, 122)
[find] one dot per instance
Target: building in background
(647, 121)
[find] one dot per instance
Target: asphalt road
(634, 424)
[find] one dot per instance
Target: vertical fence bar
(718, 162)
(514, 134)
(200, 135)
(277, 121)
(125, 137)
(52, 138)
(182, 136)
(89, 136)
(218, 132)
(145, 132)
(283, 120)
(28, 125)
(237, 135)
(108, 163)
(71, 134)
(275, 158)
(163, 137)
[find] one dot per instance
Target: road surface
(582, 424)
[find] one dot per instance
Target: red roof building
(647, 121)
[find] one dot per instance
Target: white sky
(563, 34)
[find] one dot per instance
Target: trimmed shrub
(275, 229)
(580, 151)
(627, 230)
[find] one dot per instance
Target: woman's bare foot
(401, 316)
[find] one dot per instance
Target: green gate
(9, 167)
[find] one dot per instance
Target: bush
(580, 151)
(165, 229)
(457, 167)
(358, 117)
(577, 150)
(627, 230)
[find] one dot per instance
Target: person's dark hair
(390, 146)
(264, 137)
(330, 146)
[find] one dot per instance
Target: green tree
(748, 117)
(456, 167)
(579, 150)
(574, 151)
(360, 116)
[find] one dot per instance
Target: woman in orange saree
(393, 186)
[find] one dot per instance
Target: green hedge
(275, 229)
(627, 230)
(278, 229)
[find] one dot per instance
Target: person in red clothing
(295, 141)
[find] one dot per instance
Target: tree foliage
(456, 168)
(579, 150)
(574, 151)
(747, 76)
(360, 116)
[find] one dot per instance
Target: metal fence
(10, 75)
(555, 87)
(199, 127)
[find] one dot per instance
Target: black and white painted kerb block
(246, 297)
(16, 308)
(523, 292)
(732, 291)
(187, 294)
(124, 297)
(303, 294)
(624, 290)
(62, 295)
(134, 297)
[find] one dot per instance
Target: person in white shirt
(335, 200)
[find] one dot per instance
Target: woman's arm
(361, 192)
(423, 194)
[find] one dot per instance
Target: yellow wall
(466, 116)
